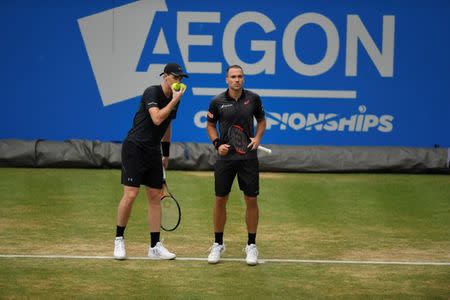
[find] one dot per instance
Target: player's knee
(221, 200)
(252, 202)
(156, 200)
(154, 195)
(130, 194)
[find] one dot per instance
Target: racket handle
(264, 149)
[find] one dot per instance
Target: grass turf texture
(384, 217)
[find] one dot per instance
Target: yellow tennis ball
(176, 86)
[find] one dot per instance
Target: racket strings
(170, 209)
(238, 139)
(170, 213)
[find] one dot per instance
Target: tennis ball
(177, 86)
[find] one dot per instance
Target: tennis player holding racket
(239, 107)
(142, 162)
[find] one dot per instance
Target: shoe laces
(216, 248)
(251, 250)
(159, 248)
(119, 242)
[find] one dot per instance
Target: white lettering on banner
(384, 60)
(161, 44)
(267, 63)
(289, 38)
(114, 53)
(200, 119)
(185, 40)
(360, 122)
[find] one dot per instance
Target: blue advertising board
(338, 73)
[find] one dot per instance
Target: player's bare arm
(260, 129)
(213, 134)
(159, 115)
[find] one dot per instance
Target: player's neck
(235, 94)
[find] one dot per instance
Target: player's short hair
(234, 67)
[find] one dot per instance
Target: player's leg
(154, 210)
(223, 179)
(219, 218)
(156, 249)
(220, 214)
(123, 215)
(125, 205)
(153, 179)
(224, 174)
(248, 179)
(251, 218)
(130, 179)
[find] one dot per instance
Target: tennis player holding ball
(235, 107)
(142, 162)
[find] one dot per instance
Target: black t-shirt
(144, 132)
(227, 111)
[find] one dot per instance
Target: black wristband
(217, 142)
(165, 146)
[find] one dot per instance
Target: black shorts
(141, 165)
(248, 176)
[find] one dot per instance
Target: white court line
(284, 93)
(297, 261)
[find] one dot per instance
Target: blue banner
(339, 73)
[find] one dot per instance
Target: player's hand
(176, 96)
(180, 92)
(223, 149)
(165, 162)
(254, 143)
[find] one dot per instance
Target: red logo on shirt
(246, 102)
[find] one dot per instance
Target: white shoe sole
(252, 263)
(213, 262)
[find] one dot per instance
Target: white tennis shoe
(252, 254)
(160, 252)
(216, 251)
(119, 248)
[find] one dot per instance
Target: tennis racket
(170, 209)
(239, 140)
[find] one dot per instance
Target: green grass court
(314, 217)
